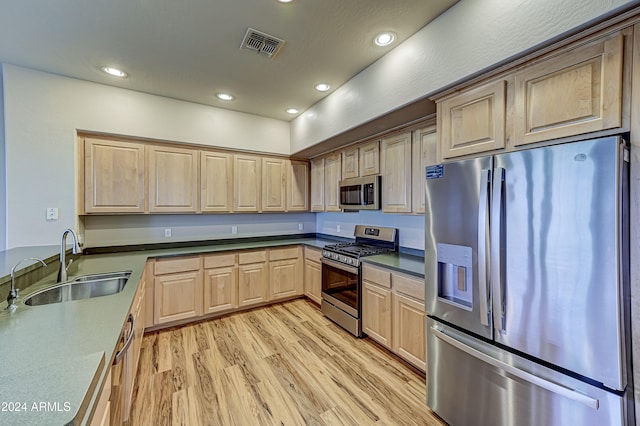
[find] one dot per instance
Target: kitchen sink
(82, 287)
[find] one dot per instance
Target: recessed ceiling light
(225, 96)
(285, 1)
(292, 111)
(114, 72)
(385, 39)
(322, 87)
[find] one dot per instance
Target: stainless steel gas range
(342, 277)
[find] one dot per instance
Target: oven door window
(350, 195)
(341, 284)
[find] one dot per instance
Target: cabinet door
(350, 168)
(131, 364)
(376, 313)
(332, 172)
(370, 159)
(173, 179)
(425, 147)
(313, 274)
(285, 279)
(177, 296)
(313, 280)
(113, 177)
(317, 185)
(220, 286)
(577, 92)
(252, 284)
(409, 340)
(246, 183)
(298, 186)
(473, 121)
(101, 415)
(216, 177)
(396, 174)
(274, 176)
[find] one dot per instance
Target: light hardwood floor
(285, 364)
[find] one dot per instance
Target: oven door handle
(338, 265)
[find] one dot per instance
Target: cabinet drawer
(219, 260)
(169, 266)
(377, 276)
(312, 254)
(252, 257)
(410, 286)
(284, 253)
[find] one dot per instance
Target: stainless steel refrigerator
(527, 287)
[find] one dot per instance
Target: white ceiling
(189, 50)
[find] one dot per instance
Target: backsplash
(411, 227)
(104, 231)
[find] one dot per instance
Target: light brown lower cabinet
(101, 415)
(393, 313)
(313, 274)
(131, 364)
(376, 313)
(252, 278)
(409, 330)
(285, 272)
(220, 283)
(177, 289)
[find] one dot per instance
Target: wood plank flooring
(285, 364)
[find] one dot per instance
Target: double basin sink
(82, 287)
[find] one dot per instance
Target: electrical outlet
(338, 228)
(300, 227)
(234, 229)
(52, 213)
(167, 232)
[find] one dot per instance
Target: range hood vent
(261, 43)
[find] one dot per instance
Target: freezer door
(557, 278)
(456, 242)
(470, 382)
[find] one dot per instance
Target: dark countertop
(401, 262)
(60, 353)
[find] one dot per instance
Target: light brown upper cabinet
(473, 120)
(113, 177)
(173, 179)
(274, 190)
(298, 186)
(370, 158)
(332, 172)
(317, 185)
(350, 159)
(216, 181)
(246, 183)
(395, 168)
(577, 92)
(425, 153)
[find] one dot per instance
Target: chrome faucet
(13, 293)
(62, 272)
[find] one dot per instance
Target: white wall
(469, 37)
(104, 231)
(3, 177)
(410, 227)
(42, 113)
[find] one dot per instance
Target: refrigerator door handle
(496, 249)
(528, 377)
(483, 228)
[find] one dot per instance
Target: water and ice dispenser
(455, 275)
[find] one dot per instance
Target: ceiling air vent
(261, 43)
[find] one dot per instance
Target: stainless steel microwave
(360, 193)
